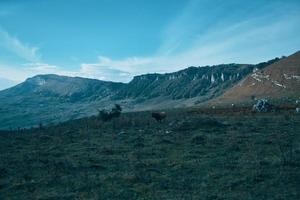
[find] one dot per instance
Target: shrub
(105, 115)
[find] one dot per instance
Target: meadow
(194, 154)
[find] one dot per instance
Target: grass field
(193, 154)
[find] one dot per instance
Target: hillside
(52, 98)
(192, 155)
(279, 82)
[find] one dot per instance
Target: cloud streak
(215, 39)
(15, 46)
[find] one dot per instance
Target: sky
(114, 40)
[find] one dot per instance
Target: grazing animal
(159, 116)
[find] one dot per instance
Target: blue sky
(116, 40)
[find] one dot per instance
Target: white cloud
(6, 83)
(20, 49)
(19, 73)
(94, 71)
(42, 67)
(102, 72)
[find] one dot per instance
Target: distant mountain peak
(47, 76)
(37, 80)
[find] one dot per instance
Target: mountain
(63, 88)
(278, 82)
(52, 98)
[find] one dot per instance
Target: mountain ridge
(52, 98)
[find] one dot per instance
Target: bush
(105, 115)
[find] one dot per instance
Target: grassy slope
(279, 81)
(192, 155)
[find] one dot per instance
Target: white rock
(222, 77)
(212, 79)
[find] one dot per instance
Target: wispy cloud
(41, 67)
(6, 83)
(94, 71)
(103, 72)
(20, 49)
(205, 24)
(214, 39)
(220, 47)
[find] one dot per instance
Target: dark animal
(159, 116)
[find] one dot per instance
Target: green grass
(191, 155)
